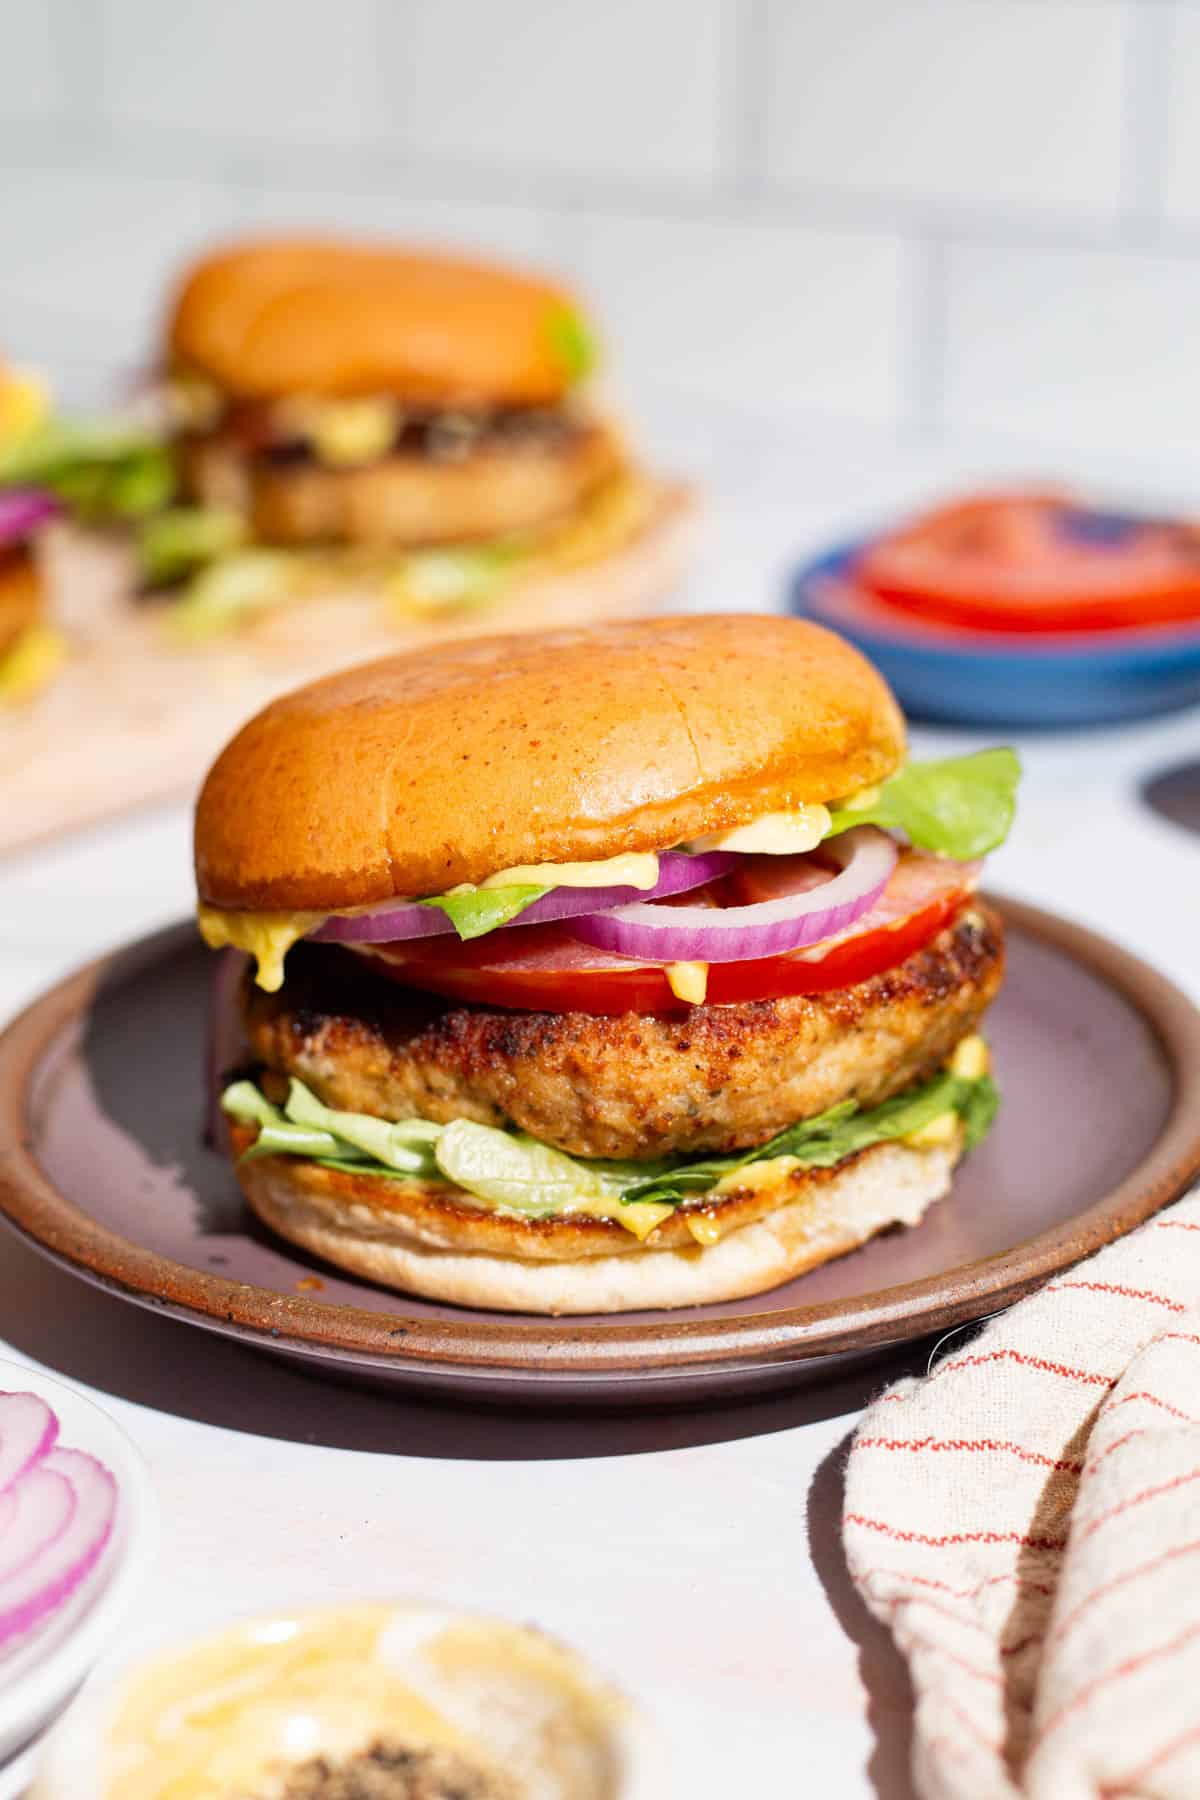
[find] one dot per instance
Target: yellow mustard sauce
(228, 1713)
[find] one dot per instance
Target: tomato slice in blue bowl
(1015, 680)
(1038, 561)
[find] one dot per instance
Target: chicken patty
(627, 1085)
(406, 499)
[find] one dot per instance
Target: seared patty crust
(627, 1085)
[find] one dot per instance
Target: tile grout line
(162, 155)
(1144, 146)
(744, 98)
(924, 319)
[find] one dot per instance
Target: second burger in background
(415, 422)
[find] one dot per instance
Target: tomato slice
(542, 968)
(1037, 562)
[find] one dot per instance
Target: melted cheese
(635, 869)
(757, 1175)
(347, 432)
(640, 1217)
(859, 802)
(31, 665)
(703, 1228)
(942, 1130)
(970, 1062)
(24, 402)
(266, 936)
(688, 981)
(193, 402)
(972, 1059)
(775, 834)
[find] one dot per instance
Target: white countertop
(693, 1555)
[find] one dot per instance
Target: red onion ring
(48, 1578)
(389, 923)
(649, 933)
(28, 1431)
(43, 1505)
(22, 510)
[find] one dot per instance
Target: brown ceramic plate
(101, 1164)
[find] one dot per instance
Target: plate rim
(492, 1345)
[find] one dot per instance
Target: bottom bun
(821, 1214)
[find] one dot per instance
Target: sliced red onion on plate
(47, 1579)
(28, 1430)
(648, 933)
(392, 921)
(22, 510)
(43, 1505)
(57, 1513)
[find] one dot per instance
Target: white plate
(15, 1776)
(36, 1681)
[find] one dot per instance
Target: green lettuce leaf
(406, 1146)
(962, 807)
(482, 910)
(243, 1101)
(277, 1136)
(516, 1173)
(180, 540)
(572, 343)
(304, 1127)
(466, 575)
(977, 1108)
(229, 591)
(831, 1136)
(511, 1171)
(102, 471)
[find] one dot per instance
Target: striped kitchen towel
(1026, 1521)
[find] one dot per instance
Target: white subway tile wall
(31, 77)
(913, 218)
(1111, 335)
(524, 234)
(629, 90)
(1182, 195)
(1007, 105)
(241, 70)
(746, 314)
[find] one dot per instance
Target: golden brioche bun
(422, 1240)
(404, 500)
(412, 774)
(318, 316)
(21, 594)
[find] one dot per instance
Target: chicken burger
(602, 969)
(419, 423)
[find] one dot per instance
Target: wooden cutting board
(134, 718)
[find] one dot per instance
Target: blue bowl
(965, 677)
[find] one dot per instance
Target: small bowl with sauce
(394, 1702)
